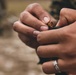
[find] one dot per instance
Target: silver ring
(55, 63)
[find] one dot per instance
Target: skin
(32, 30)
(29, 23)
(60, 43)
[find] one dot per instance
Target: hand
(60, 43)
(32, 20)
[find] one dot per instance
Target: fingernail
(44, 28)
(46, 19)
(36, 33)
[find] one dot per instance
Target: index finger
(50, 36)
(40, 13)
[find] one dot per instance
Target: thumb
(67, 16)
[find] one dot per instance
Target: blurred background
(15, 57)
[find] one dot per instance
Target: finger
(48, 67)
(40, 13)
(48, 51)
(51, 36)
(29, 41)
(64, 66)
(24, 38)
(32, 21)
(67, 16)
(21, 28)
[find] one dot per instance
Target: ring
(55, 63)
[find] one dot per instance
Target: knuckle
(64, 34)
(35, 4)
(32, 6)
(39, 38)
(23, 15)
(39, 49)
(64, 53)
(45, 70)
(63, 11)
(42, 13)
(67, 52)
(15, 25)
